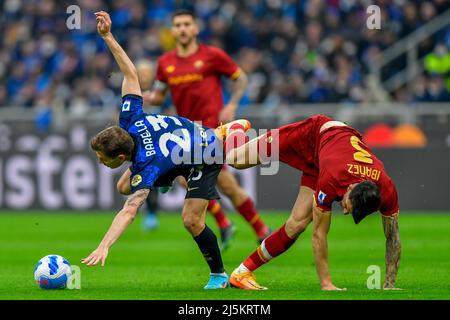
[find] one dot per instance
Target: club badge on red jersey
(198, 64)
(170, 68)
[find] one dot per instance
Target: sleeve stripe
(236, 74)
(391, 215)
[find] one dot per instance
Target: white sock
(241, 269)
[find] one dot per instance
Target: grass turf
(166, 264)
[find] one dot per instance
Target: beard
(185, 40)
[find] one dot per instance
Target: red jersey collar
(200, 46)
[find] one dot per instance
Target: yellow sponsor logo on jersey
(186, 78)
(170, 69)
(364, 171)
(137, 179)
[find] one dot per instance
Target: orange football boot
(224, 130)
(245, 280)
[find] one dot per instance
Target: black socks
(207, 242)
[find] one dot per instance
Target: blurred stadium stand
(58, 86)
(314, 51)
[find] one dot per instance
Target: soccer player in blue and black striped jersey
(160, 148)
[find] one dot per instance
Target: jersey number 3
(180, 136)
(360, 155)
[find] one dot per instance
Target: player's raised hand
(103, 23)
(98, 255)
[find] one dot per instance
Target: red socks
(248, 211)
(274, 245)
(216, 210)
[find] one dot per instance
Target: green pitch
(166, 264)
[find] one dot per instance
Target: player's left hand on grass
(227, 113)
(98, 255)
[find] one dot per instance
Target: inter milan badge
(136, 180)
(321, 197)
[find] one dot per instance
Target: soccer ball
(52, 272)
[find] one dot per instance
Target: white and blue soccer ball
(52, 272)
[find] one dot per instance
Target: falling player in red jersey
(192, 72)
(336, 166)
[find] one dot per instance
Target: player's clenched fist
(103, 23)
(98, 255)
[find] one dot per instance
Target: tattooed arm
(118, 226)
(393, 249)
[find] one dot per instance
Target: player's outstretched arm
(130, 84)
(393, 250)
(118, 226)
(321, 226)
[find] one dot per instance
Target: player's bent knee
(193, 215)
(297, 226)
(303, 224)
(193, 224)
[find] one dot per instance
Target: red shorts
(310, 181)
(297, 145)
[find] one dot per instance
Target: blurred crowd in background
(307, 51)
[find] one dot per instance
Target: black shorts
(202, 180)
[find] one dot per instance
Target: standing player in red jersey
(336, 166)
(193, 72)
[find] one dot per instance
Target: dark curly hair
(365, 198)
